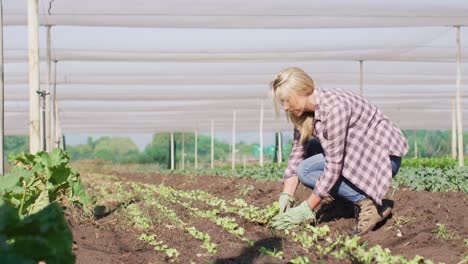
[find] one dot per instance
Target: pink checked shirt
(357, 139)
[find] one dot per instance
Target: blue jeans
(311, 168)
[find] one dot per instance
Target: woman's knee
(314, 163)
(301, 170)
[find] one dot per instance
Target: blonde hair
(295, 80)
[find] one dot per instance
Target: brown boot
(369, 216)
(326, 202)
(385, 210)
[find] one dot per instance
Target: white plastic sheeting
(145, 66)
(244, 13)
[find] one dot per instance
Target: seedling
(274, 253)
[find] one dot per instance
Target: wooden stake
(34, 107)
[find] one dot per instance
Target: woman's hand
(285, 202)
(293, 217)
(286, 198)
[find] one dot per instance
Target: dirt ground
(409, 231)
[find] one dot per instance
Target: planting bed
(153, 218)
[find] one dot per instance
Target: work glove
(293, 217)
(285, 202)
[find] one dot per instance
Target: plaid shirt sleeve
(334, 133)
(295, 157)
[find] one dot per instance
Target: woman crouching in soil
(343, 147)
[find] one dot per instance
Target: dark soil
(408, 232)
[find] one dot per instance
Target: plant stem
(22, 199)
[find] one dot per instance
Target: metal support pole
(454, 131)
(261, 135)
(34, 107)
(48, 108)
(461, 152)
(64, 143)
(280, 147)
(2, 95)
(361, 78)
(196, 148)
(58, 129)
(43, 96)
(245, 161)
(212, 144)
(183, 150)
(415, 144)
(54, 122)
(233, 158)
(172, 151)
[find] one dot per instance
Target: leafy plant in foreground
(43, 236)
(37, 180)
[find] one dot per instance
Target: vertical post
(48, 108)
(196, 148)
(183, 150)
(275, 157)
(454, 131)
(261, 135)
(34, 108)
(58, 129)
(43, 121)
(212, 144)
(64, 143)
(233, 158)
(415, 144)
(2, 94)
(172, 151)
(361, 78)
(169, 151)
(53, 99)
(280, 147)
(459, 106)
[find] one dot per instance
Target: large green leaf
(25, 158)
(7, 182)
(44, 236)
(10, 257)
(8, 216)
(41, 202)
(56, 158)
(59, 175)
(79, 191)
(22, 173)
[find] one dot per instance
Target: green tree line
(124, 150)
